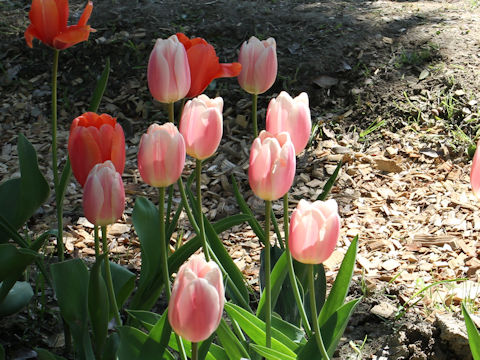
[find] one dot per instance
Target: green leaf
(158, 338)
(123, 283)
(70, 282)
(100, 88)
(20, 198)
(272, 354)
(255, 329)
(341, 285)
(231, 345)
(277, 277)
(98, 305)
(47, 355)
(254, 224)
(111, 347)
(131, 342)
(2, 352)
(329, 184)
(293, 332)
(17, 298)
(473, 334)
(146, 318)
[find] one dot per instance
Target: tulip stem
(194, 351)
(291, 270)
(108, 275)
(254, 114)
(313, 306)
(198, 173)
(97, 242)
(268, 294)
(171, 109)
(186, 206)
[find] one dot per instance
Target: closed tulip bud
(161, 156)
(93, 140)
(475, 173)
(103, 195)
(48, 23)
(292, 116)
(168, 70)
(272, 165)
(314, 231)
(196, 305)
(202, 126)
(259, 65)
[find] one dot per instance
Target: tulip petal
(73, 35)
(229, 70)
(204, 66)
(31, 33)
(44, 16)
(62, 6)
(85, 15)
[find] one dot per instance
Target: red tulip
(272, 165)
(314, 231)
(161, 155)
(204, 64)
(103, 195)
(292, 116)
(49, 24)
(196, 305)
(93, 140)
(475, 173)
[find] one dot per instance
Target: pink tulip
(161, 156)
(259, 65)
(202, 126)
(292, 116)
(103, 195)
(196, 305)
(272, 165)
(475, 173)
(168, 70)
(314, 231)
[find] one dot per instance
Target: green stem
(171, 110)
(58, 200)
(186, 206)
(97, 242)
(169, 206)
(164, 258)
(268, 295)
(194, 351)
(313, 306)
(291, 270)
(254, 114)
(198, 173)
(108, 275)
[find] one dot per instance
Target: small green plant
(375, 125)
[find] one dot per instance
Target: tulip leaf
(188, 348)
(271, 354)
(2, 352)
(17, 298)
(277, 278)
(341, 285)
(232, 346)
(331, 332)
(98, 305)
(473, 334)
(100, 88)
(254, 224)
(20, 198)
(148, 319)
(329, 184)
(131, 342)
(158, 338)
(47, 355)
(111, 347)
(293, 332)
(255, 330)
(70, 282)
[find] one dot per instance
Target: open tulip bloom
(49, 24)
(292, 116)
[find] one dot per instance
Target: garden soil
(394, 90)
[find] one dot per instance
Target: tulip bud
(161, 156)
(272, 165)
(314, 231)
(93, 140)
(475, 173)
(103, 195)
(202, 126)
(292, 116)
(259, 65)
(196, 305)
(168, 70)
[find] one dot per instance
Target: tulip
(204, 64)
(202, 126)
(314, 231)
(272, 165)
(292, 116)
(196, 305)
(259, 65)
(95, 139)
(475, 173)
(168, 70)
(49, 24)
(103, 195)
(161, 156)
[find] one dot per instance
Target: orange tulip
(204, 64)
(49, 24)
